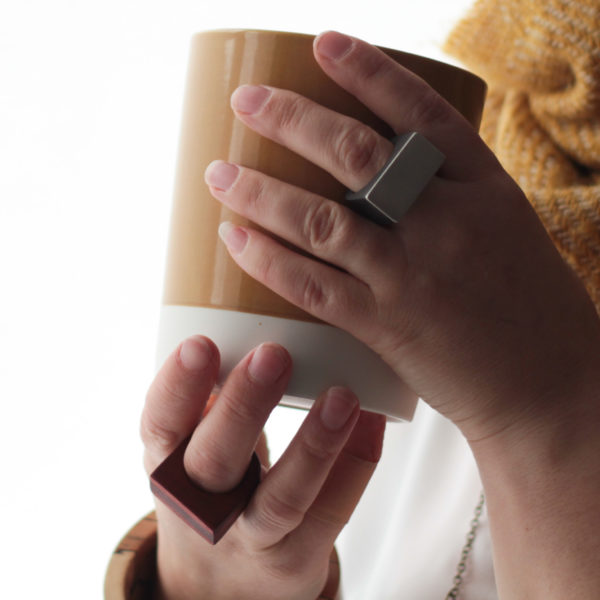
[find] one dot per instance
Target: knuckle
(278, 513)
(321, 224)
(255, 194)
(358, 151)
(171, 389)
(375, 67)
(312, 294)
(289, 112)
(266, 269)
(303, 288)
(430, 108)
(155, 435)
(317, 450)
(239, 410)
(328, 518)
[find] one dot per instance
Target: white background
(90, 98)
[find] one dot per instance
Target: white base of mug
(322, 355)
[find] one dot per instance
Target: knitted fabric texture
(541, 59)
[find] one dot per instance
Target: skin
(473, 307)
(280, 546)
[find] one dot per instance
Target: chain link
(462, 565)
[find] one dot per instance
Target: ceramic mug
(205, 292)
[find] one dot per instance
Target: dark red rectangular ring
(210, 514)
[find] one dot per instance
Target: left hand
(280, 546)
(466, 298)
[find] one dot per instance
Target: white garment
(405, 538)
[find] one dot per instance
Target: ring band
(209, 514)
(389, 195)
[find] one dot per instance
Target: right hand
(466, 298)
(280, 546)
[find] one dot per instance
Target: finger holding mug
(205, 291)
(467, 267)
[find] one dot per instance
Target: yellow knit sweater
(541, 59)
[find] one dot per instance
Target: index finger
(403, 100)
(177, 398)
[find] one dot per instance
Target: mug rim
(386, 49)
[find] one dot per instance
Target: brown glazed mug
(205, 292)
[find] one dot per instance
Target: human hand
(280, 546)
(466, 298)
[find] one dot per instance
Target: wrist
(542, 484)
(132, 569)
(556, 434)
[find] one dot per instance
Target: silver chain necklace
(462, 565)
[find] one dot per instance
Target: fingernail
(333, 45)
(267, 364)
(249, 99)
(338, 406)
(194, 354)
(235, 237)
(221, 175)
